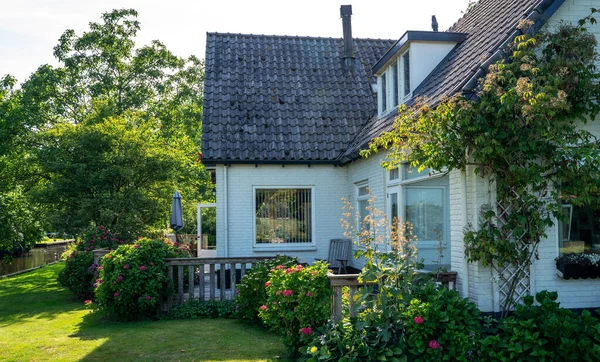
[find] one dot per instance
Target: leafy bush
(298, 300)
(252, 291)
(195, 309)
(544, 332)
(78, 274)
(133, 279)
(439, 325)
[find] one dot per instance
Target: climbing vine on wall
(523, 132)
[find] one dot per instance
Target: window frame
(285, 246)
(360, 198)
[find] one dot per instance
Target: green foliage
(440, 315)
(543, 332)
(523, 132)
(78, 274)
(298, 300)
(94, 130)
(252, 290)
(133, 279)
(195, 309)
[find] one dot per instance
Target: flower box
(577, 271)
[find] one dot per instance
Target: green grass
(39, 321)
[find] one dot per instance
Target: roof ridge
(290, 36)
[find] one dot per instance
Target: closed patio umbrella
(176, 213)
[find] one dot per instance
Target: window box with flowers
(578, 266)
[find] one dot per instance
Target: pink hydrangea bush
(134, 279)
(298, 302)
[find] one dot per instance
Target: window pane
(395, 88)
(394, 174)
(413, 172)
(580, 230)
(406, 65)
(424, 209)
(394, 207)
(283, 216)
(363, 212)
(383, 93)
(363, 191)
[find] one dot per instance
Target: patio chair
(339, 249)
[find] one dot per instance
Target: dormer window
(398, 77)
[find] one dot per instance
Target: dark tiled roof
(490, 25)
(284, 99)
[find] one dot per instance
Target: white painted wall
(329, 184)
(424, 57)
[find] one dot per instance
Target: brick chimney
(348, 56)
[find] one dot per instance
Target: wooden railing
(207, 278)
(339, 281)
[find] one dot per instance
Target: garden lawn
(40, 321)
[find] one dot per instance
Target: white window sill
(284, 247)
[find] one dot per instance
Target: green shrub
(80, 270)
(439, 325)
(195, 309)
(544, 332)
(252, 291)
(298, 301)
(78, 274)
(134, 279)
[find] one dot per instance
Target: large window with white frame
(362, 204)
(394, 84)
(283, 215)
(421, 199)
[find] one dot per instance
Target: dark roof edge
(539, 15)
(211, 162)
(288, 36)
(417, 35)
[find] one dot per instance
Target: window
(424, 209)
(383, 92)
(395, 87)
(283, 215)
(362, 205)
(406, 74)
(579, 231)
(409, 173)
(394, 174)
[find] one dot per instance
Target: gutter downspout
(225, 213)
(465, 282)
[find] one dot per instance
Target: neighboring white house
(285, 117)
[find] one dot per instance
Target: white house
(285, 118)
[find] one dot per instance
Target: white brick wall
(329, 184)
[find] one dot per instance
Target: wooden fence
(207, 278)
(339, 281)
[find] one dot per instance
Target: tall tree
(117, 128)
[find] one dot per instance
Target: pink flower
(278, 292)
(116, 294)
(120, 278)
(309, 294)
(299, 267)
(142, 267)
(280, 267)
(87, 302)
(419, 320)
(306, 330)
(267, 284)
(100, 268)
(136, 246)
(148, 297)
(108, 256)
(287, 292)
(434, 344)
(126, 266)
(99, 281)
(289, 270)
(263, 307)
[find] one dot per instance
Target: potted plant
(580, 265)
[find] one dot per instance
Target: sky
(29, 29)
